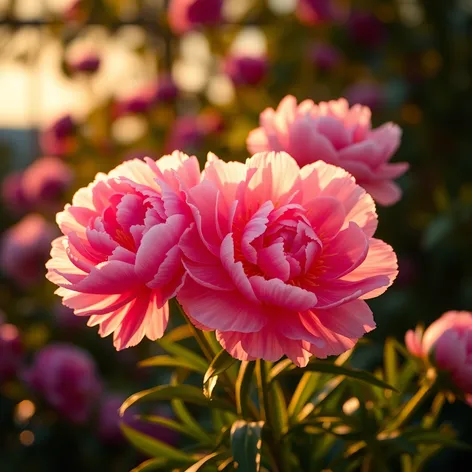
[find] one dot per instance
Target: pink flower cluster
(447, 343)
(277, 259)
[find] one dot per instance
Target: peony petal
(326, 215)
(385, 192)
(212, 277)
(272, 261)
(253, 229)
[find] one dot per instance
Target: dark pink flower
(366, 29)
(246, 70)
(165, 89)
(186, 133)
(66, 377)
(325, 56)
(312, 12)
(45, 181)
(11, 351)
(59, 138)
(13, 195)
(87, 62)
(369, 94)
(25, 247)
(186, 15)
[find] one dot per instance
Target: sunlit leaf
(157, 463)
(177, 334)
(153, 447)
(243, 386)
(305, 389)
(206, 460)
(168, 361)
(181, 352)
(246, 444)
(435, 437)
(220, 364)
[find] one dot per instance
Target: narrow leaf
(246, 445)
(168, 361)
(278, 410)
(220, 364)
(435, 437)
(305, 389)
(178, 334)
(205, 460)
(181, 352)
(153, 447)
(243, 386)
(152, 464)
(187, 393)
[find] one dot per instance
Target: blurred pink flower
(325, 56)
(211, 122)
(165, 89)
(280, 259)
(246, 70)
(73, 10)
(11, 351)
(24, 249)
(186, 15)
(186, 133)
(118, 261)
(66, 377)
(59, 138)
(45, 181)
(13, 195)
(313, 12)
(139, 101)
(336, 134)
(366, 29)
(368, 94)
(87, 62)
(448, 344)
(109, 430)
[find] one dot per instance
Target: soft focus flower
(45, 181)
(325, 56)
(58, 139)
(280, 259)
(11, 351)
(186, 133)
(246, 70)
(336, 134)
(13, 195)
(139, 101)
(186, 15)
(368, 94)
(118, 261)
(165, 89)
(312, 12)
(366, 29)
(109, 430)
(66, 377)
(74, 10)
(87, 62)
(212, 122)
(448, 344)
(25, 247)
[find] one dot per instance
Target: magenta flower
(24, 249)
(313, 12)
(66, 377)
(186, 133)
(118, 261)
(87, 62)
(45, 181)
(11, 351)
(366, 29)
(246, 70)
(280, 259)
(447, 343)
(109, 430)
(165, 89)
(325, 56)
(13, 195)
(336, 134)
(187, 15)
(58, 139)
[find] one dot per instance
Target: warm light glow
(282, 7)
(27, 438)
(250, 41)
(220, 90)
(24, 411)
(8, 332)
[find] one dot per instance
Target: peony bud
(246, 70)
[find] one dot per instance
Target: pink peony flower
(448, 344)
(13, 195)
(45, 181)
(280, 259)
(66, 377)
(186, 15)
(24, 249)
(59, 138)
(11, 351)
(118, 261)
(325, 56)
(165, 90)
(336, 134)
(246, 70)
(186, 133)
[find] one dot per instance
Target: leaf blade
(222, 361)
(246, 444)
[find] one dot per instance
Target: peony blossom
(447, 343)
(336, 134)
(24, 249)
(246, 70)
(186, 15)
(66, 377)
(59, 138)
(280, 259)
(325, 56)
(118, 261)
(313, 12)
(13, 196)
(11, 351)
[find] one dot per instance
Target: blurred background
(86, 84)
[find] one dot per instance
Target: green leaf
(279, 410)
(178, 334)
(153, 447)
(205, 460)
(349, 372)
(279, 368)
(152, 464)
(187, 393)
(175, 426)
(222, 361)
(243, 386)
(305, 389)
(435, 437)
(246, 443)
(168, 361)
(181, 352)
(391, 362)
